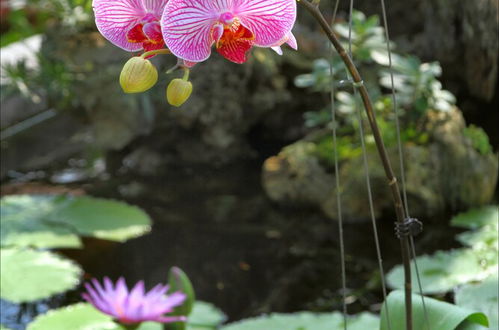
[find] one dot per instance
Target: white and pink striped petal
(115, 18)
(269, 20)
(187, 27)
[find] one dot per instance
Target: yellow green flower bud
(178, 91)
(138, 75)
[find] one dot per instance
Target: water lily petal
(269, 20)
(186, 26)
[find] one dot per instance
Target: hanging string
(368, 181)
(337, 180)
(401, 158)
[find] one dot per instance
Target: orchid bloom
(130, 24)
(191, 27)
(134, 306)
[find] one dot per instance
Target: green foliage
(78, 316)
(445, 270)
(33, 17)
(442, 271)
(205, 316)
(481, 297)
(49, 221)
(347, 148)
(477, 218)
(367, 36)
(84, 316)
(415, 83)
(179, 281)
(306, 321)
(441, 315)
(29, 275)
(479, 139)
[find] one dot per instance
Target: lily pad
(443, 271)
(78, 316)
(306, 321)
(49, 221)
(441, 315)
(28, 275)
(82, 316)
(205, 316)
(25, 221)
(477, 217)
(483, 297)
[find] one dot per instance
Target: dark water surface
(242, 252)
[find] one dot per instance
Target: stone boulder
(446, 174)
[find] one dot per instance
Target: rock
(294, 176)
(447, 174)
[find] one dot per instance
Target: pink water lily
(134, 306)
(130, 24)
(191, 27)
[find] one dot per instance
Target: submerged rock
(446, 174)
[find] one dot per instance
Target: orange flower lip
(235, 42)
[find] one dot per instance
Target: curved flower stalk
(134, 306)
(191, 27)
(132, 25)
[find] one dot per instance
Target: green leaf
(179, 281)
(28, 275)
(306, 321)
(78, 316)
(82, 316)
(442, 271)
(103, 218)
(205, 316)
(26, 222)
(441, 315)
(477, 217)
(483, 297)
(49, 221)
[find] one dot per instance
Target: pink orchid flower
(191, 27)
(130, 24)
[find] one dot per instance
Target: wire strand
(401, 158)
(368, 180)
(337, 181)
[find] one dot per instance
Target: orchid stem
(186, 74)
(155, 52)
(313, 9)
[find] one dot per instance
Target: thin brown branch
(313, 9)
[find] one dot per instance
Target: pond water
(242, 252)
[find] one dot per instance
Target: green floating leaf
(483, 297)
(26, 222)
(27, 275)
(78, 316)
(443, 271)
(306, 321)
(82, 316)
(49, 221)
(477, 217)
(205, 316)
(441, 315)
(103, 218)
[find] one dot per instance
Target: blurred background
(239, 181)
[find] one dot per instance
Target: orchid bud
(138, 75)
(178, 91)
